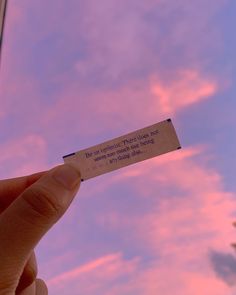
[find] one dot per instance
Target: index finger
(10, 189)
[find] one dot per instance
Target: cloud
(22, 156)
(104, 64)
(155, 280)
(134, 38)
(95, 276)
(186, 214)
(111, 108)
(188, 89)
(118, 37)
(191, 214)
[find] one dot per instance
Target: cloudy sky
(75, 73)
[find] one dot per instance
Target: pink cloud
(93, 276)
(11, 87)
(156, 280)
(201, 196)
(126, 39)
(188, 89)
(119, 45)
(27, 155)
(180, 229)
(170, 281)
(125, 45)
(121, 50)
(104, 276)
(111, 108)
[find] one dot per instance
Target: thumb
(32, 214)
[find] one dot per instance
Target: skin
(29, 207)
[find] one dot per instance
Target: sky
(77, 73)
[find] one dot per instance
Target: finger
(38, 287)
(30, 216)
(10, 189)
(31, 290)
(29, 274)
(41, 287)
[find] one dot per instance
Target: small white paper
(125, 150)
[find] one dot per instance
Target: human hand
(29, 206)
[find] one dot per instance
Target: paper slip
(125, 150)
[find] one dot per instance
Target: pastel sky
(76, 73)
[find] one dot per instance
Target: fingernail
(68, 176)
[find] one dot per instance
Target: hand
(29, 206)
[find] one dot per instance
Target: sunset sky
(76, 73)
